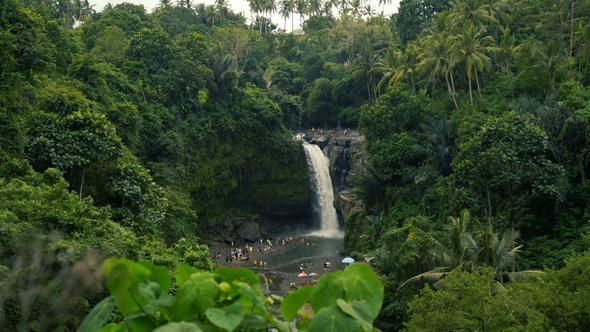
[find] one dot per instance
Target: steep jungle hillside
(128, 133)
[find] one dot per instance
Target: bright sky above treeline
(242, 6)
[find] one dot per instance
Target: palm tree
(436, 53)
(507, 47)
(368, 11)
(355, 7)
(470, 48)
(328, 4)
(473, 11)
(364, 62)
(548, 57)
(253, 6)
(285, 11)
(460, 248)
(164, 4)
(386, 66)
(301, 9)
(456, 249)
(384, 2)
(291, 6)
(497, 9)
(81, 10)
(582, 44)
(343, 6)
(314, 6)
(210, 14)
(200, 11)
(406, 65)
(221, 5)
(63, 9)
(499, 253)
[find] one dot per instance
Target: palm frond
(430, 276)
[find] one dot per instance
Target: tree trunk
(571, 38)
(477, 81)
(470, 92)
(82, 182)
(451, 92)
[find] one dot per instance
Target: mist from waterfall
(323, 194)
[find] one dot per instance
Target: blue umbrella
(348, 260)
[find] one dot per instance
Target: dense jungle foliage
(124, 133)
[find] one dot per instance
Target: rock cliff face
(348, 162)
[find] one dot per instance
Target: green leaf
(183, 272)
(159, 274)
(195, 296)
(330, 319)
(179, 327)
(227, 319)
(140, 324)
(166, 300)
(114, 328)
(292, 303)
(98, 316)
(235, 276)
(361, 283)
(360, 311)
(150, 290)
(303, 324)
(123, 278)
(251, 295)
(254, 322)
(328, 289)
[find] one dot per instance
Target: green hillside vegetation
(126, 133)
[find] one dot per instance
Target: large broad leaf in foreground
(361, 283)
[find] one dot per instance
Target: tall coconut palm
(314, 6)
(285, 11)
(548, 58)
(384, 2)
(291, 6)
(253, 6)
(364, 62)
(435, 53)
(471, 48)
(356, 7)
(498, 10)
(163, 4)
(406, 65)
(582, 44)
(81, 10)
(221, 6)
(386, 66)
(368, 11)
(301, 9)
(268, 7)
(473, 11)
(210, 14)
(507, 46)
(343, 6)
(63, 9)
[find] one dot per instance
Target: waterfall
(323, 193)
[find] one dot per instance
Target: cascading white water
(323, 193)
